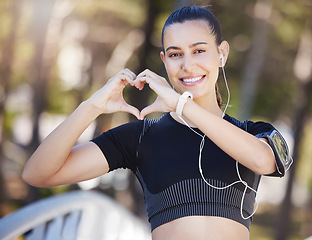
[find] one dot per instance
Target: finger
(143, 73)
(127, 75)
(128, 80)
(139, 82)
(121, 81)
(127, 72)
(149, 73)
(130, 73)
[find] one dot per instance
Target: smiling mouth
(192, 80)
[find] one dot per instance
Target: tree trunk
(5, 75)
(41, 18)
(255, 59)
(45, 35)
(42, 15)
(284, 226)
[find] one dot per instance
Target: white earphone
(222, 59)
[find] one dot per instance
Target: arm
(240, 145)
(56, 161)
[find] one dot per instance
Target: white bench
(77, 215)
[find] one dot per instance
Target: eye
(199, 51)
(173, 55)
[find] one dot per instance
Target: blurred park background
(56, 53)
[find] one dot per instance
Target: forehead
(188, 32)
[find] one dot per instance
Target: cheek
(172, 69)
(210, 60)
(210, 66)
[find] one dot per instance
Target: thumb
(147, 110)
(156, 106)
(132, 110)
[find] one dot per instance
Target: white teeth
(191, 80)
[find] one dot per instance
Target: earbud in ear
(222, 59)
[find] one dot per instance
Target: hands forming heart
(109, 99)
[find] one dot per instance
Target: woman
(199, 168)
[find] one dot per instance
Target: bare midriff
(201, 228)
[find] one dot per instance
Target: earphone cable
(201, 147)
(228, 92)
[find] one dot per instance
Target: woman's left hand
(167, 99)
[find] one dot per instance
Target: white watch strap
(182, 100)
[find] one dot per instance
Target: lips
(190, 81)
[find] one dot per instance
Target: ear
(162, 56)
(224, 48)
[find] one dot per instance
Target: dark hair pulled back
(194, 13)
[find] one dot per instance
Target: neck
(209, 104)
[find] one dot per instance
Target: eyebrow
(192, 45)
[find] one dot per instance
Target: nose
(188, 63)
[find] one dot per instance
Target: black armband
(283, 160)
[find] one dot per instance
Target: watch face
(281, 147)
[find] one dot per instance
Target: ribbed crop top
(163, 154)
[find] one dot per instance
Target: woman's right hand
(69, 164)
(109, 98)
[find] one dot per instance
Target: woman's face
(192, 57)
